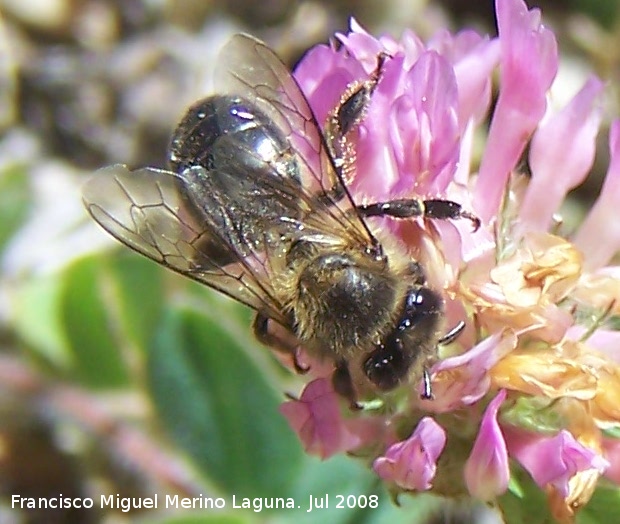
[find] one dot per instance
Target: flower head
(535, 375)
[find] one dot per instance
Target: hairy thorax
(344, 303)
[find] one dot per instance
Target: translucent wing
(149, 211)
(248, 68)
(241, 195)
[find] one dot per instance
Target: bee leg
(343, 385)
(341, 122)
(417, 273)
(452, 335)
(427, 392)
(354, 102)
(447, 209)
(412, 207)
(387, 365)
(280, 339)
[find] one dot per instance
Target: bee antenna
(452, 335)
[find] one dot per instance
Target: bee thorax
(343, 304)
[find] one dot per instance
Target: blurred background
(117, 377)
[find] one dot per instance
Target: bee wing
(248, 68)
(149, 211)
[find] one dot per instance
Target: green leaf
(603, 507)
(603, 11)
(140, 294)
(412, 508)
(219, 407)
(37, 321)
(324, 480)
(525, 503)
(96, 355)
(15, 201)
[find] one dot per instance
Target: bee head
(413, 337)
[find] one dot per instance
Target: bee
(255, 205)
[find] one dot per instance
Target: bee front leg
(427, 392)
(269, 332)
(413, 207)
(343, 384)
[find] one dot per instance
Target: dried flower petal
(546, 267)
(580, 489)
(600, 289)
(545, 373)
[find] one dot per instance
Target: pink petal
(361, 45)
(528, 65)
(323, 75)
(561, 155)
(471, 369)
(611, 447)
(473, 77)
(553, 460)
(599, 235)
(606, 341)
(426, 127)
(486, 470)
(411, 46)
(412, 463)
(317, 420)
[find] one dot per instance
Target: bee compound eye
(387, 365)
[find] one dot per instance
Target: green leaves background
(111, 324)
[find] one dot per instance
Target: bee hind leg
(341, 122)
(413, 207)
(270, 333)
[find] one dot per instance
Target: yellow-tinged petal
(544, 373)
(581, 487)
(494, 313)
(599, 290)
(545, 268)
(605, 407)
(556, 264)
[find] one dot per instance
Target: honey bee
(255, 205)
